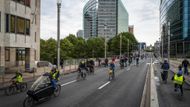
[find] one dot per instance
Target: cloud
(143, 14)
(71, 18)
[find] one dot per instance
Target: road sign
(2, 70)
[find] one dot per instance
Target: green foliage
(48, 49)
(95, 47)
(73, 47)
(127, 39)
(66, 49)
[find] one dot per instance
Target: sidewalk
(174, 68)
(5, 80)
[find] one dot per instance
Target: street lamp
(105, 27)
(120, 45)
(169, 42)
(58, 32)
(128, 46)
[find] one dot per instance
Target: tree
(48, 50)
(114, 43)
(66, 49)
(95, 47)
(72, 38)
(80, 48)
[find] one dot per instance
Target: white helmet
(54, 67)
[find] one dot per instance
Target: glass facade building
(175, 21)
(90, 19)
(104, 18)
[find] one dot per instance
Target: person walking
(165, 66)
(185, 64)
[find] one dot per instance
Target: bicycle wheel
(28, 102)
(23, 87)
(9, 90)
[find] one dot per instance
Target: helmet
(54, 67)
(180, 72)
(180, 67)
(165, 61)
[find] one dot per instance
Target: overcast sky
(143, 14)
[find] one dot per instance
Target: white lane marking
(68, 83)
(104, 85)
(128, 68)
(157, 80)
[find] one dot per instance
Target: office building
(131, 29)
(104, 18)
(80, 33)
(175, 23)
(19, 33)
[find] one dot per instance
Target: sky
(143, 14)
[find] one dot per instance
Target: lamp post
(128, 46)
(58, 32)
(162, 40)
(105, 54)
(120, 45)
(169, 42)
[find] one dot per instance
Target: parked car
(39, 64)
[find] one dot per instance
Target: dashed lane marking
(68, 83)
(104, 85)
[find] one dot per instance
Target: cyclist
(54, 76)
(19, 79)
(122, 61)
(91, 65)
(82, 66)
(112, 67)
(137, 60)
(178, 80)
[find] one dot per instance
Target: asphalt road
(125, 91)
(166, 95)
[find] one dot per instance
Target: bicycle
(111, 74)
(16, 87)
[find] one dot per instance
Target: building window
(20, 1)
(20, 25)
(7, 23)
(24, 2)
(27, 3)
(7, 54)
(12, 24)
(17, 25)
(28, 27)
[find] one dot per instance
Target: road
(166, 95)
(125, 91)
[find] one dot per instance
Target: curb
(145, 90)
(33, 79)
(153, 91)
